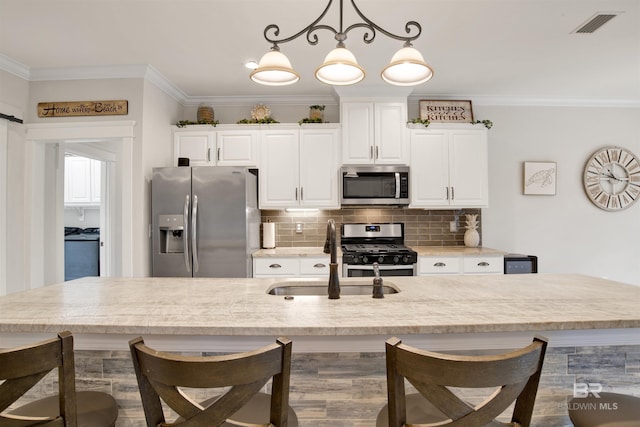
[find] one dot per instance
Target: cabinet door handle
(447, 188)
(376, 152)
(453, 196)
(275, 266)
(218, 153)
(439, 264)
(296, 194)
(320, 265)
(301, 193)
(483, 264)
(208, 154)
(371, 152)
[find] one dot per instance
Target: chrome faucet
(378, 291)
(331, 247)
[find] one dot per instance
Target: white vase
(471, 238)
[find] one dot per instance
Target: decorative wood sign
(446, 111)
(83, 108)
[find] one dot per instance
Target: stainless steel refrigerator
(205, 220)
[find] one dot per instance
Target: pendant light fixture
(407, 66)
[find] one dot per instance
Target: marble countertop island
(572, 308)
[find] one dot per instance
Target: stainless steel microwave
(374, 185)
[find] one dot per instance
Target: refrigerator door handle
(194, 234)
(185, 238)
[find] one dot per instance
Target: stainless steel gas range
(365, 244)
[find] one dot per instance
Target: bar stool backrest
(22, 368)
(161, 376)
(515, 375)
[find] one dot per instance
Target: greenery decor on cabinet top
(183, 123)
(487, 123)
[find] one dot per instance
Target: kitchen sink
(308, 287)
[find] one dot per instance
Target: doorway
(88, 178)
(46, 145)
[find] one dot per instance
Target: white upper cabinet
(319, 167)
(81, 181)
(225, 145)
(279, 166)
(237, 147)
(196, 144)
(299, 167)
(449, 167)
(374, 132)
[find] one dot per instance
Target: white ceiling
(507, 49)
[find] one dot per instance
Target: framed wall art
(540, 178)
(446, 111)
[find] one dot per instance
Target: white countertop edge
(342, 344)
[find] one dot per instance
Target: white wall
(14, 98)
(566, 231)
(159, 112)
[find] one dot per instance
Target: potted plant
(316, 113)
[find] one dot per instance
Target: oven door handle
(382, 267)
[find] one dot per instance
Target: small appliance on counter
(520, 264)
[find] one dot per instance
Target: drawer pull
(483, 264)
(320, 265)
(439, 264)
(275, 266)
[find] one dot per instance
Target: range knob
(380, 259)
(365, 259)
(396, 259)
(405, 258)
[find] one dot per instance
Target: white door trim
(43, 230)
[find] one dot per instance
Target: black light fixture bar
(341, 34)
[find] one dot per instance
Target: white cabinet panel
(275, 267)
(237, 147)
(449, 167)
(299, 168)
(483, 265)
(195, 145)
(291, 266)
(82, 181)
(319, 165)
(374, 133)
(486, 264)
(279, 169)
(438, 265)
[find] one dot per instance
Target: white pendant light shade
(274, 69)
(340, 68)
(407, 68)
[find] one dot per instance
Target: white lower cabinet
(438, 265)
(428, 265)
(484, 264)
(291, 267)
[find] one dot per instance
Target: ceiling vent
(595, 22)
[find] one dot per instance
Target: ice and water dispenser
(171, 233)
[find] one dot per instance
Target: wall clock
(612, 178)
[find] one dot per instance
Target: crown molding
(243, 101)
(152, 75)
(14, 67)
(524, 101)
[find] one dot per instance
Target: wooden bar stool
(22, 368)
(514, 376)
(605, 410)
(164, 376)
